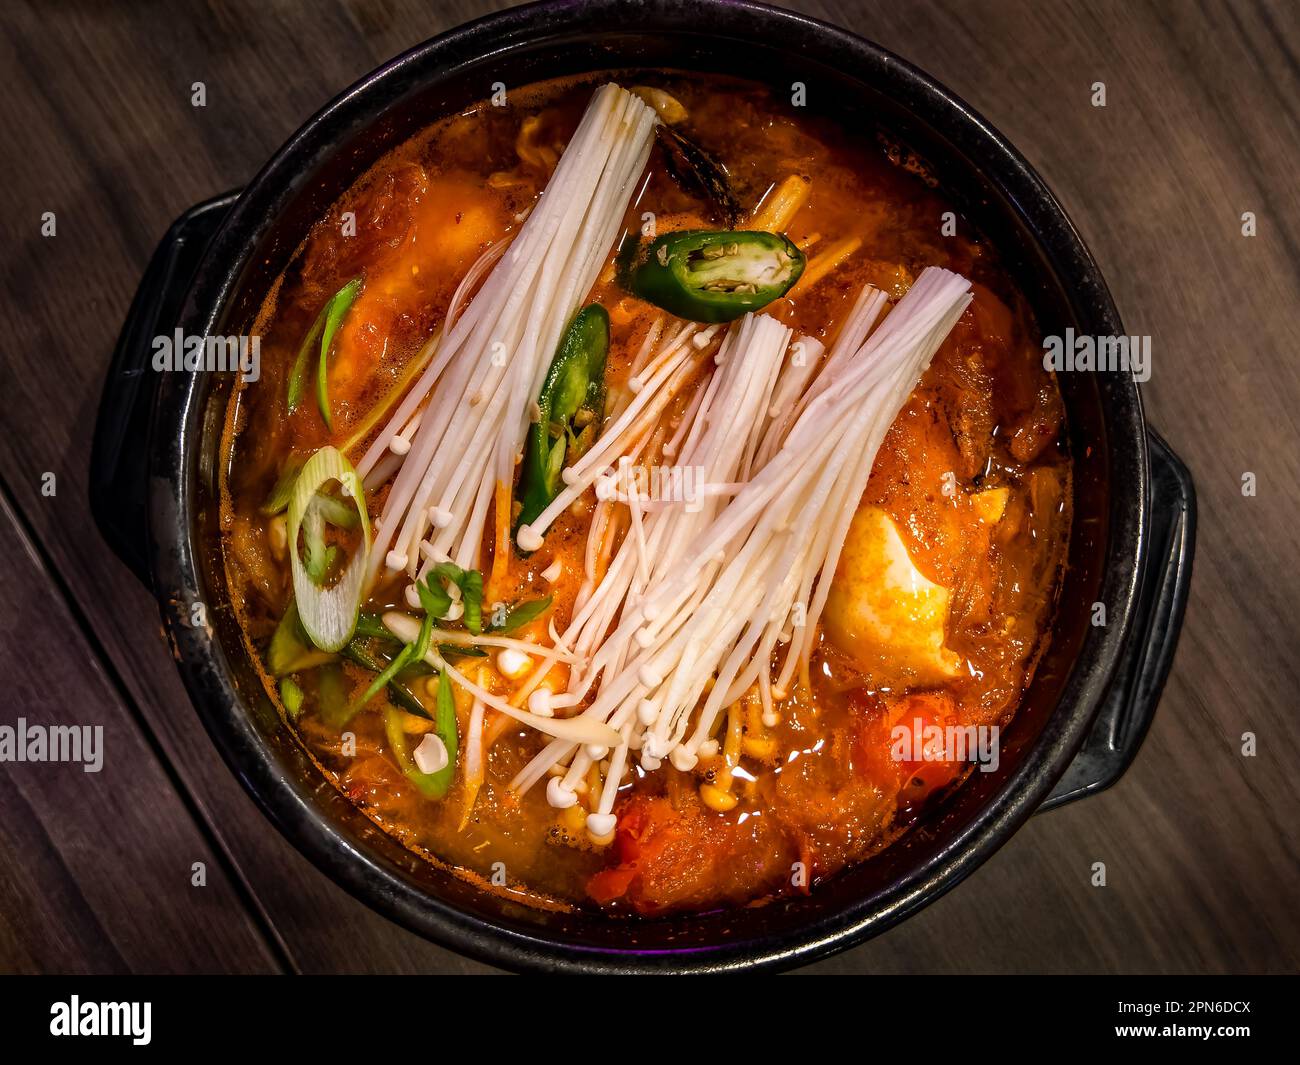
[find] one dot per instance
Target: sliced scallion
(335, 311)
(396, 736)
(279, 497)
(398, 693)
(470, 583)
(290, 650)
(325, 327)
(520, 615)
(291, 695)
(332, 696)
(445, 727)
(329, 614)
(372, 627)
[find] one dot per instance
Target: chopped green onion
(290, 651)
(372, 627)
(335, 311)
(332, 697)
(519, 616)
(279, 497)
(329, 615)
(292, 697)
(401, 751)
(327, 322)
(445, 727)
(336, 512)
(313, 538)
(398, 692)
(470, 583)
(412, 653)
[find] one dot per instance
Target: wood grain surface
(1201, 124)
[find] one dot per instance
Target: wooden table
(1200, 125)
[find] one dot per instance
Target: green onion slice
(522, 614)
(436, 602)
(290, 651)
(445, 727)
(335, 311)
(279, 497)
(292, 695)
(325, 327)
(397, 742)
(328, 614)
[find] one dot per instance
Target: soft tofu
(882, 612)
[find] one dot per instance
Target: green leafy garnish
(292, 696)
(445, 727)
(290, 650)
(326, 326)
(398, 692)
(470, 583)
(396, 736)
(522, 614)
(278, 500)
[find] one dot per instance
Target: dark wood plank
(98, 866)
(116, 165)
(1200, 125)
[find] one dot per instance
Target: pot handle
(119, 456)
(1130, 704)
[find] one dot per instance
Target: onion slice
(328, 615)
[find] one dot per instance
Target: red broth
(973, 475)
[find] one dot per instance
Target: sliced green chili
(569, 410)
(436, 601)
(707, 276)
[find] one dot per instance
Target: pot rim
(175, 553)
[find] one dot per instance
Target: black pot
(1093, 695)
